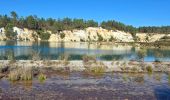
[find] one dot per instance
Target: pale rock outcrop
(54, 38)
(141, 37)
(149, 37)
(92, 34)
(122, 36)
(2, 34)
(88, 34)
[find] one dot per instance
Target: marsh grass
(10, 56)
(97, 69)
(64, 59)
(35, 55)
(42, 77)
(88, 59)
(20, 74)
(124, 77)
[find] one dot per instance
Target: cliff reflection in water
(53, 50)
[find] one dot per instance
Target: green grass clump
(149, 69)
(42, 77)
(95, 70)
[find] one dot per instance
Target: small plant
(64, 59)
(124, 77)
(23, 74)
(35, 55)
(87, 58)
(95, 71)
(14, 75)
(10, 56)
(149, 69)
(134, 69)
(42, 77)
(26, 74)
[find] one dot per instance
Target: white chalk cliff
(89, 34)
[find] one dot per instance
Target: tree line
(57, 25)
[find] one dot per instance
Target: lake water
(78, 86)
(75, 51)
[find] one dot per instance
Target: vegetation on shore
(57, 25)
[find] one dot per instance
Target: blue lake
(75, 51)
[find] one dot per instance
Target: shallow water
(75, 51)
(78, 86)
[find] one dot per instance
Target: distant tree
(79, 24)
(91, 23)
(14, 18)
(4, 20)
(31, 22)
(67, 23)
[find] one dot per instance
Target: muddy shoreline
(84, 80)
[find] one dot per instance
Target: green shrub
(10, 34)
(100, 38)
(44, 35)
(112, 39)
(62, 35)
(149, 69)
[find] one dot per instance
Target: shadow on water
(162, 93)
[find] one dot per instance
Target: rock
(89, 34)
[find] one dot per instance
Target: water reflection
(54, 50)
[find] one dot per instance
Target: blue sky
(133, 12)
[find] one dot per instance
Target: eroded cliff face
(151, 37)
(93, 34)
